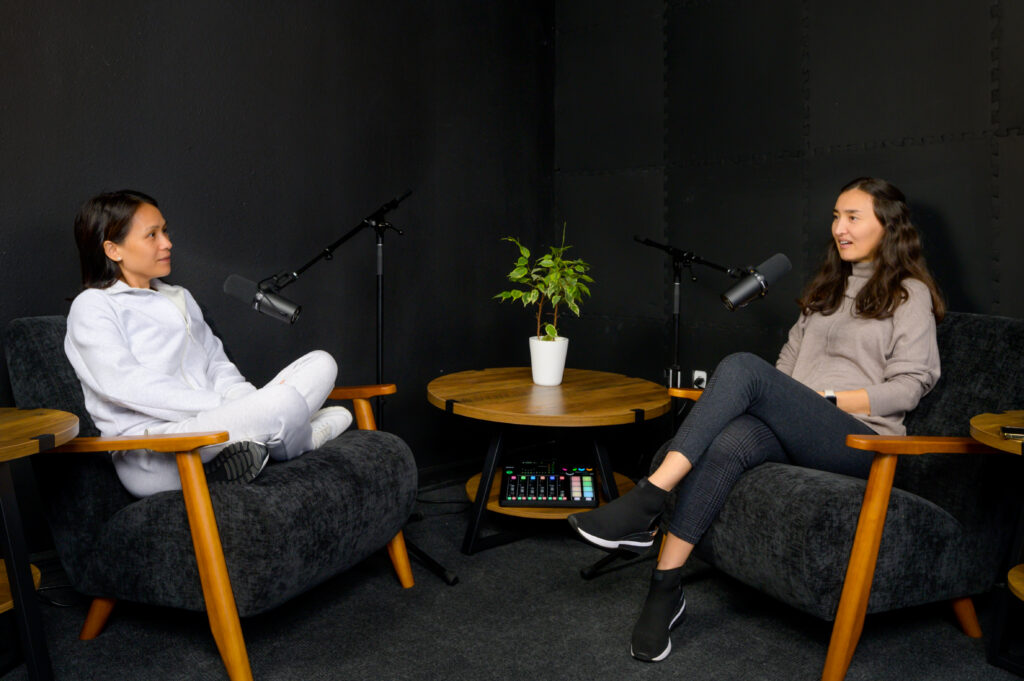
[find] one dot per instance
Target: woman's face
(855, 229)
(145, 253)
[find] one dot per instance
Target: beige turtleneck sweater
(896, 359)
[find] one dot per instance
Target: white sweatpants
(279, 412)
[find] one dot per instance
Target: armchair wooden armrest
(174, 442)
(686, 393)
(860, 572)
(360, 396)
(917, 444)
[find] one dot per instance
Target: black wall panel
(609, 179)
(883, 70)
(1008, 242)
(609, 71)
(1008, 65)
(734, 79)
(603, 213)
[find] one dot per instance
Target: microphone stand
(681, 259)
(376, 221)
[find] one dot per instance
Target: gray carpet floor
(519, 611)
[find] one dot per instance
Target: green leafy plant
(551, 278)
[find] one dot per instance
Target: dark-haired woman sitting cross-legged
(149, 363)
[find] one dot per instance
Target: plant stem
(540, 313)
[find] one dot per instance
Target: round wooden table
(24, 432)
(585, 398)
(986, 428)
(507, 396)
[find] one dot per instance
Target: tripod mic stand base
(449, 577)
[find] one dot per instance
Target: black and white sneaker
(663, 611)
(629, 522)
(238, 462)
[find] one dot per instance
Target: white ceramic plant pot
(547, 359)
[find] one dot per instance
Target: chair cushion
(801, 558)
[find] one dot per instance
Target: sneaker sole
(611, 545)
(668, 649)
(237, 466)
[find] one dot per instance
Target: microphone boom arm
(374, 220)
(688, 259)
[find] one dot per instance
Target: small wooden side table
(508, 396)
(24, 432)
(986, 428)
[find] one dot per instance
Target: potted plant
(551, 279)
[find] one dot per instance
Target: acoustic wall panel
(1008, 241)
(1009, 50)
(602, 214)
(609, 86)
(883, 70)
(735, 79)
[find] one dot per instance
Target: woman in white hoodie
(150, 364)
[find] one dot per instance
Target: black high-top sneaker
(629, 522)
(663, 610)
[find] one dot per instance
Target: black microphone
(270, 304)
(757, 281)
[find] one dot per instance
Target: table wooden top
(985, 428)
(24, 432)
(585, 398)
(1015, 580)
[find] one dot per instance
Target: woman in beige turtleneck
(861, 355)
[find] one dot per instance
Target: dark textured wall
(722, 127)
(793, 100)
(266, 131)
(726, 128)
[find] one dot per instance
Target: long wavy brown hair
(898, 256)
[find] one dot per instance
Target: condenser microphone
(756, 282)
(270, 304)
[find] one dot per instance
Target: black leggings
(751, 413)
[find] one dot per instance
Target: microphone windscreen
(774, 267)
(241, 288)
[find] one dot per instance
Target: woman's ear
(112, 250)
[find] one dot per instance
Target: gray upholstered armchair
(300, 523)
(941, 530)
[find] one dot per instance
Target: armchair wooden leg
(96, 619)
(364, 414)
(400, 559)
(853, 603)
(213, 573)
(967, 617)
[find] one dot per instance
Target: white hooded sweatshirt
(146, 357)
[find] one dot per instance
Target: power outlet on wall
(700, 379)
